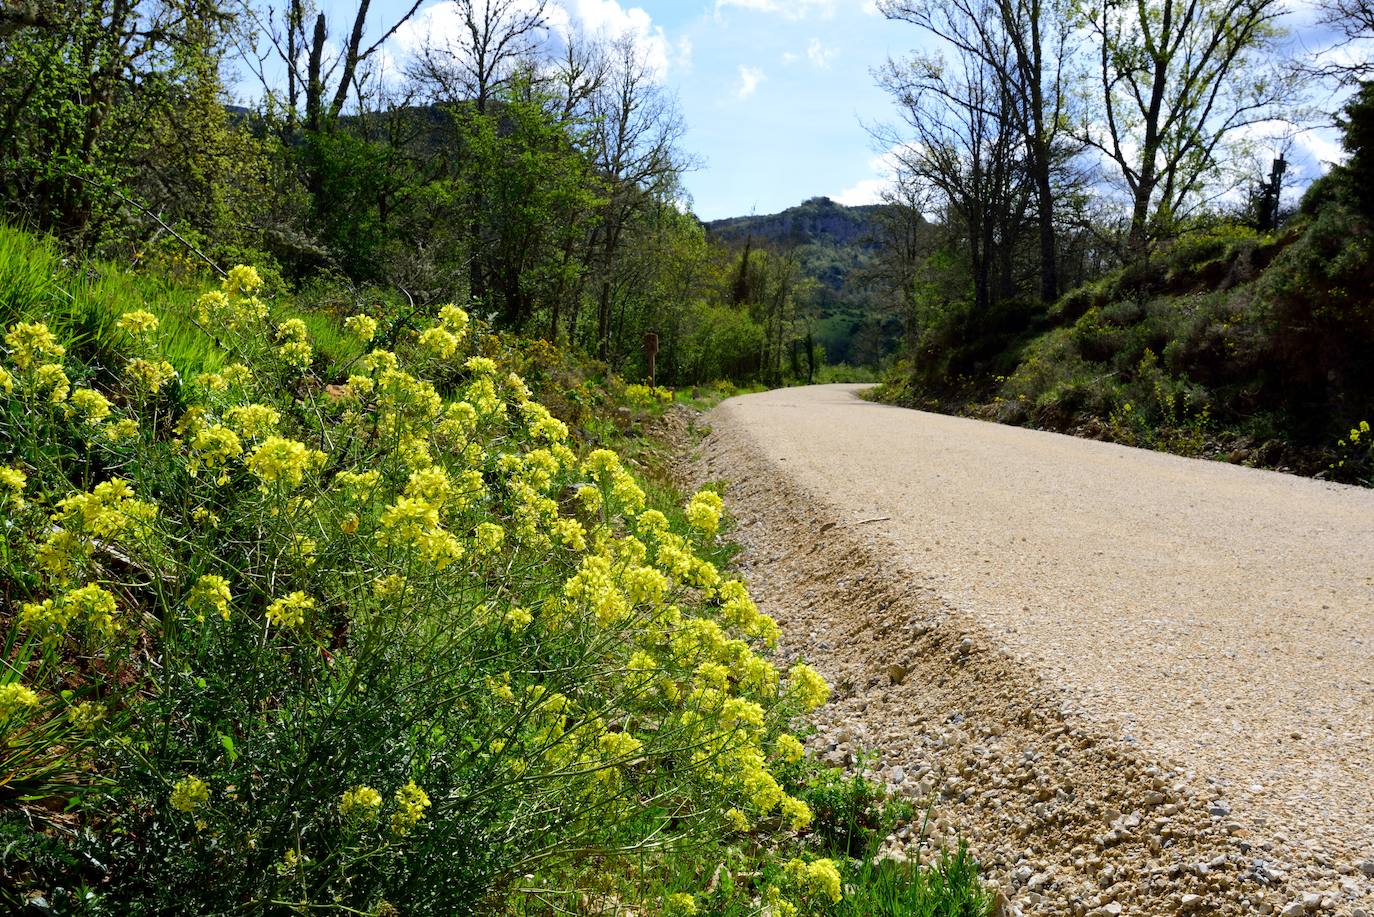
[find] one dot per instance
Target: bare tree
(1353, 20)
(318, 84)
(963, 147)
(634, 136)
(497, 35)
(1026, 45)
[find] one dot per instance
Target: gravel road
(1217, 619)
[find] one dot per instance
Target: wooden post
(651, 351)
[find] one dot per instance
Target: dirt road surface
(1159, 664)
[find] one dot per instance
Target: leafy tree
(1178, 83)
(80, 82)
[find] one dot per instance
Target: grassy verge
(275, 644)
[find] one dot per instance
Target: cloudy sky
(776, 93)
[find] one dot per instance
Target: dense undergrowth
(308, 612)
(1229, 344)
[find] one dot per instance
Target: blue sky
(776, 94)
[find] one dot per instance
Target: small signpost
(651, 351)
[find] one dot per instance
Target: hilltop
(838, 247)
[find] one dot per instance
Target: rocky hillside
(838, 247)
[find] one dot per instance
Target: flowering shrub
(389, 641)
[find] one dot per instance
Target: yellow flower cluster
(12, 482)
(15, 697)
(189, 793)
(210, 594)
(360, 803)
(91, 405)
(150, 376)
(31, 343)
(819, 877)
(52, 619)
(108, 514)
(703, 511)
(290, 611)
(253, 421)
(411, 804)
(362, 327)
(280, 461)
(138, 323)
(454, 319)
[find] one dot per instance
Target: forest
(1110, 250)
(532, 174)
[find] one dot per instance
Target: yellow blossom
(15, 697)
(138, 323)
(94, 406)
(362, 327)
(51, 378)
(290, 610)
(278, 460)
(211, 594)
(489, 537)
(807, 686)
(454, 319)
(680, 904)
(411, 803)
(151, 375)
(439, 342)
(189, 794)
(29, 343)
(243, 280)
(13, 480)
(360, 803)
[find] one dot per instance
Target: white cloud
(867, 191)
(790, 57)
(608, 19)
(819, 54)
(871, 190)
(789, 9)
(749, 79)
(442, 21)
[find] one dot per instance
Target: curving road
(1220, 616)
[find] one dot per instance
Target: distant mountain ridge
(836, 245)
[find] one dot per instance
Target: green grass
(80, 300)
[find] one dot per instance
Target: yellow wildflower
(411, 803)
(54, 380)
(680, 904)
(280, 460)
(807, 686)
(31, 342)
(149, 375)
(13, 480)
(93, 405)
(15, 697)
(138, 323)
(360, 803)
(454, 319)
(211, 594)
(489, 537)
(362, 327)
(189, 794)
(290, 611)
(243, 280)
